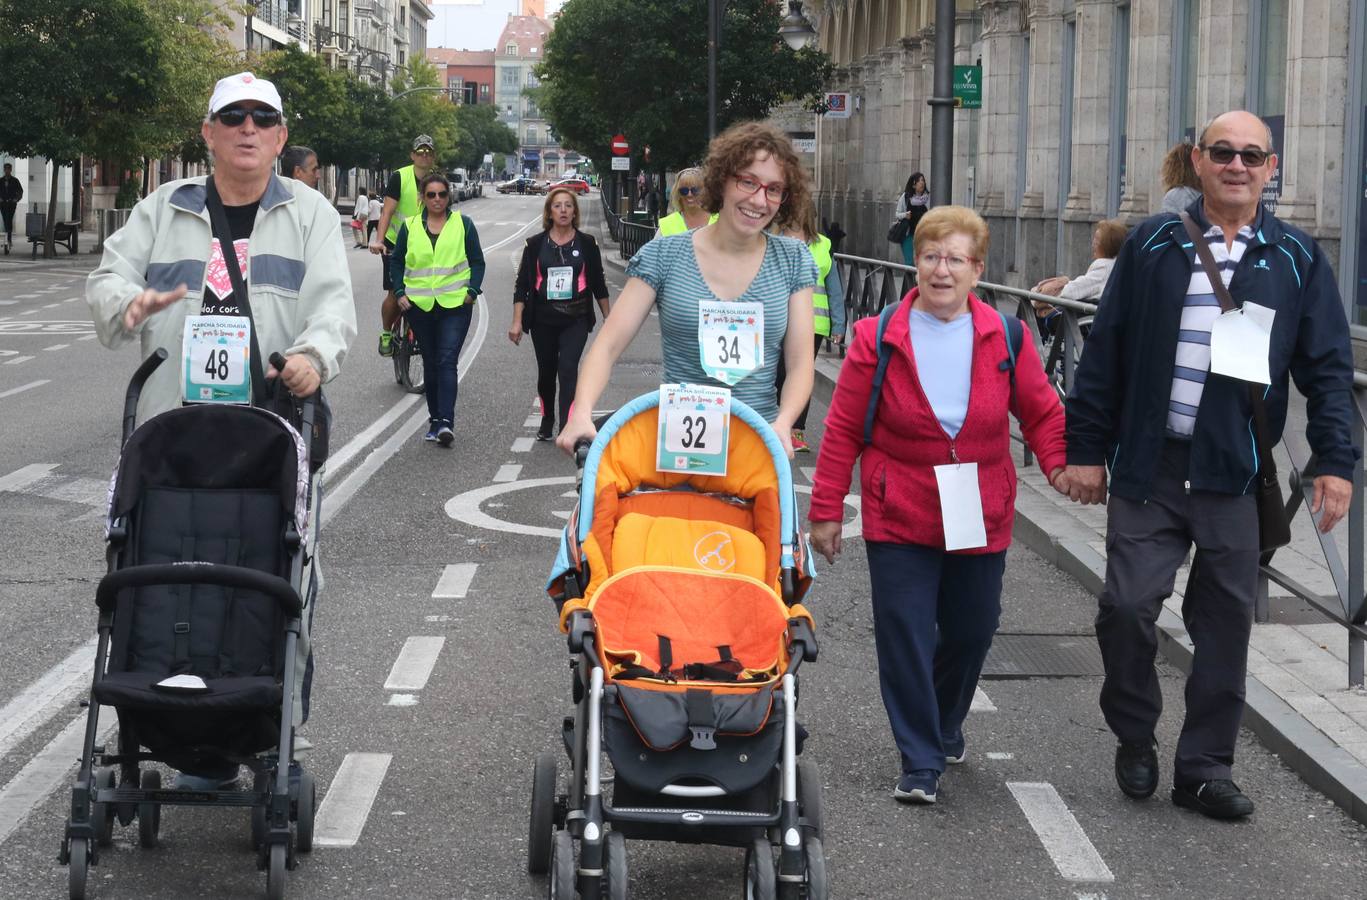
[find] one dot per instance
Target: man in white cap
(167, 265)
(401, 203)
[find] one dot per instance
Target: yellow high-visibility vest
(674, 224)
(821, 252)
(436, 275)
(408, 205)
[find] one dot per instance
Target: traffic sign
(621, 164)
(968, 87)
(620, 147)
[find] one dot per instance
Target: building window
(532, 112)
(531, 134)
(1271, 97)
(484, 93)
(455, 83)
(510, 49)
(510, 77)
(343, 17)
(1120, 92)
(531, 79)
(1186, 23)
(468, 94)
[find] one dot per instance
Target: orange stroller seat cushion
(642, 540)
(697, 614)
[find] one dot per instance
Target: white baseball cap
(244, 86)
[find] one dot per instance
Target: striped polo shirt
(1200, 309)
(670, 267)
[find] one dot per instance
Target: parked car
(578, 185)
(517, 186)
(462, 188)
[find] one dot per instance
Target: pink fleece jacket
(900, 501)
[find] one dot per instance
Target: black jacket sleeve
(1322, 367)
(593, 264)
(526, 269)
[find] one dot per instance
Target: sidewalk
(1298, 701)
(21, 254)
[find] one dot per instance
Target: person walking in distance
(558, 280)
(401, 203)
(1164, 398)
(359, 215)
(372, 221)
(11, 192)
(911, 206)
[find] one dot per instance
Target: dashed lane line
(23, 387)
(520, 445)
(455, 580)
(49, 769)
(980, 702)
(87, 337)
(343, 813)
(56, 347)
(533, 421)
(1063, 838)
(36, 704)
(507, 473)
(415, 663)
(17, 360)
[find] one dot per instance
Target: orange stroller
(681, 595)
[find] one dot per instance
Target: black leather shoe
(1136, 768)
(544, 432)
(1219, 798)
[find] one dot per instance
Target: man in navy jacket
(1178, 442)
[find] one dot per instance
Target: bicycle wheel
(408, 369)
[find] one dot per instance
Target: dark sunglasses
(1222, 155)
(438, 195)
(688, 191)
(262, 117)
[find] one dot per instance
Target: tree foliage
(424, 112)
(481, 132)
(317, 99)
(652, 85)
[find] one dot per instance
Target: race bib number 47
(695, 428)
(216, 352)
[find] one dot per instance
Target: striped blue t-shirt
(1200, 309)
(670, 267)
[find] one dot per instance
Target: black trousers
(1145, 544)
(7, 210)
(782, 373)
(559, 342)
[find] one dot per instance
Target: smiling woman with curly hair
(751, 175)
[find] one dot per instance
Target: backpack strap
(1015, 336)
(884, 354)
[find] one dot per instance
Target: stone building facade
(1081, 99)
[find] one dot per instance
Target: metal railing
(871, 284)
(630, 236)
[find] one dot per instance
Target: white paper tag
(183, 683)
(961, 506)
(1241, 342)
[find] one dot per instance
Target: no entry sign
(620, 147)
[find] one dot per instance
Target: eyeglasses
(438, 195)
(1223, 155)
(262, 117)
(423, 152)
(689, 191)
(932, 262)
(774, 192)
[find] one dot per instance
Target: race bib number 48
(216, 353)
(695, 429)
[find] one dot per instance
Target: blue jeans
(908, 251)
(441, 334)
(934, 615)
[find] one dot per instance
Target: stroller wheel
(275, 872)
(78, 868)
(561, 883)
(541, 827)
(149, 814)
(615, 866)
(809, 795)
(260, 781)
(304, 817)
(759, 871)
(102, 814)
(816, 870)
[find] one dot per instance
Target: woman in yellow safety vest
(436, 268)
(686, 201)
(828, 299)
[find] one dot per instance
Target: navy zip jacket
(1118, 409)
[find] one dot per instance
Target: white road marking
(22, 478)
(87, 337)
(32, 707)
(58, 303)
(344, 810)
(533, 421)
(29, 312)
(60, 346)
(809, 472)
(23, 387)
(338, 460)
(415, 663)
(17, 360)
(40, 481)
(402, 700)
(980, 702)
(1001, 756)
(507, 473)
(49, 770)
(455, 581)
(438, 618)
(520, 445)
(1063, 838)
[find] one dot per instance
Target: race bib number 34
(216, 353)
(730, 339)
(694, 429)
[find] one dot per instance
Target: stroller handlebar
(198, 573)
(134, 392)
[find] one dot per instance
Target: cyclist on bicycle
(401, 203)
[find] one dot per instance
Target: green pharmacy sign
(968, 87)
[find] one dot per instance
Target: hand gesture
(1333, 495)
(148, 302)
(825, 538)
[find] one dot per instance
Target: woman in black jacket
(558, 280)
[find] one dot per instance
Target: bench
(67, 234)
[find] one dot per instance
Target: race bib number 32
(694, 429)
(216, 353)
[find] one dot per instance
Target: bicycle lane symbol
(480, 507)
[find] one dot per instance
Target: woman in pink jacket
(938, 486)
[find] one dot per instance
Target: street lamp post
(795, 30)
(942, 101)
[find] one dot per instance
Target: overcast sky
(473, 24)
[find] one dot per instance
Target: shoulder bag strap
(884, 354)
(1266, 466)
(219, 219)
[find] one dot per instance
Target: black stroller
(199, 619)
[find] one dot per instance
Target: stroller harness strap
(702, 719)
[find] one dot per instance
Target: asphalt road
(448, 817)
